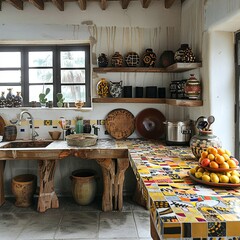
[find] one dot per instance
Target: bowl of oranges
(216, 167)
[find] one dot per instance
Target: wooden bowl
(55, 135)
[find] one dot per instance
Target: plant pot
(84, 186)
(23, 187)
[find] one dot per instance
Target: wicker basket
(82, 139)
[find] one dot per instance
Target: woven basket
(82, 139)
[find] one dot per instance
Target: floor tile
(117, 224)
(78, 225)
(142, 219)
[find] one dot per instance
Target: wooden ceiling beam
(38, 3)
(169, 3)
(146, 3)
(103, 4)
(59, 4)
(82, 4)
(125, 3)
(17, 4)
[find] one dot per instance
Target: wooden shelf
(173, 102)
(176, 67)
(129, 100)
(184, 102)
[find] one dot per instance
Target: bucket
(84, 186)
(23, 187)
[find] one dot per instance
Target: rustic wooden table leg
(108, 171)
(2, 198)
(122, 165)
(47, 196)
(138, 195)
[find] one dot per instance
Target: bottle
(10, 98)
(18, 100)
(79, 125)
(2, 100)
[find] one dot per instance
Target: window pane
(10, 59)
(72, 59)
(40, 59)
(73, 93)
(13, 76)
(40, 75)
(15, 89)
(35, 90)
(72, 76)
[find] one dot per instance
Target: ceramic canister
(193, 88)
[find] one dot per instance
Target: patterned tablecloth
(181, 208)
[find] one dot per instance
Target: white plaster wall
(71, 24)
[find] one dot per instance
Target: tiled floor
(72, 221)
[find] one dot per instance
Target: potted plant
(60, 99)
(42, 97)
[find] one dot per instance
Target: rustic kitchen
(150, 116)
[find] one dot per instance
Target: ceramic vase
(132, 59)
(192, 88)
(2, 100)
(166, 58)
(103, 88)
(184, 54)
(149, 58)
(117, 60)
(18, 100)
(116, 89)
(102, 60)
(201, 141)
(10, 98)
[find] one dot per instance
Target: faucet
(34, 133)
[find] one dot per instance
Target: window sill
(87, 109)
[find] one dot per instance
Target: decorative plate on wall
(149, 123)
(120, 123)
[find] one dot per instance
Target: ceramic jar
(2, 100)
(192, 88)
(103, 88)
(10, 98)
(149, 58)
(201, 141)
(102, 60)
(184, 54)
(116, 89)
(132, 59)
(166, 58)
(117, 60)
(18, 100)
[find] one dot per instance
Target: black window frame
(56, 49)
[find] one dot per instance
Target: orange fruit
(211, 157)
(204, 154)
(226, 157)
(212, 150)
(221, 151)
(224, 165)
(231, 163)
(228, 152)
(219, 159)
(213, 164)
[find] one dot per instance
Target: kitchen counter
(181, 208)
(112, 158)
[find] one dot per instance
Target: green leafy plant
(42, 96)
(60, 99)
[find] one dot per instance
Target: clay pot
(117, 60)
(23, 187)
(84, 186)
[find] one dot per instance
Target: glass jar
(201, 141)
(103, 88)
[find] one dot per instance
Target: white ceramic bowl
(1, 138)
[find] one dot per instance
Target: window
(32, 69)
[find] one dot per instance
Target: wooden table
(112, 159)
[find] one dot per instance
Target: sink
(27, 144)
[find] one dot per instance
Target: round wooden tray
(120, 123)
(218, 169)
(225, 185)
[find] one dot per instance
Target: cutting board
(2, 125)
(119, 123)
